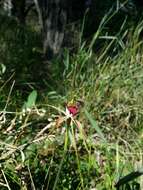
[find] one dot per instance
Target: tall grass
(99, 146)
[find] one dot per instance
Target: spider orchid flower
(72, 110)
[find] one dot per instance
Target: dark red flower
(73, 110)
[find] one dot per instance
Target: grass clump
(41, 146)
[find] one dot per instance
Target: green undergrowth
(39, 149)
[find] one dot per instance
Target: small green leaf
(94, 125)
(2, 68)
(31, 100)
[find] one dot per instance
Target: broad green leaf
(31, 100)
(2, 68)
(94, 125)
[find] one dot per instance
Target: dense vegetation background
(100, 66)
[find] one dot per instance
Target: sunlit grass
(97, 147)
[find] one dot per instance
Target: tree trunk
(7, 6)
(54, 18)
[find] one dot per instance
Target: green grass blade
(94, 125)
